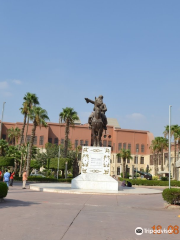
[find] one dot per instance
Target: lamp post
(136, 160)
(66, 170)
(2, 120)
(170, 146)
(58, 162)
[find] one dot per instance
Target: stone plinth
(95, 170)
(95, 182)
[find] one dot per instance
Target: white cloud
(136, 116)
(7, 94)
(16, 81)
(3, 85)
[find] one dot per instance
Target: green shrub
(6, 161)
(155, 177)
(171, 195)
(164, 178)
(3, 189)
(174, 183)
(44, 179)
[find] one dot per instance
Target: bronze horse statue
(97, 127)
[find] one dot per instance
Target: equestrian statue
(97, 120)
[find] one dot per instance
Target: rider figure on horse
(98, 103)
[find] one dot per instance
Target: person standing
(12, 178)
(24, 179)
(6, 177)
(0, 175)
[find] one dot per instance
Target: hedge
(174, 183)
(171, 195)
(44, 179)
(6, 161)
(3, 190)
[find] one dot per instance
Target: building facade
(137, 141)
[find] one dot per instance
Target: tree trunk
(27, 130)
(30, 147)
(66, 139)
(20, 168)
(15, 165)
(162, 167)
(124, 166)
(154, 161)
(22, 131)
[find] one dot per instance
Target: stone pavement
(66, 188)
(32, 215)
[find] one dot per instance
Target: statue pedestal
(95, 170)
(94, 181)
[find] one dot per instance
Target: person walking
(24, 178)
(12, 178)
(0, 175)
(6, 177)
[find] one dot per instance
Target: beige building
(137, 141)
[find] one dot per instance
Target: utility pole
(170, 146)
(2, 120)
(136, 160)
(65, 170)
(58, 163)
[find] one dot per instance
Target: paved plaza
(66, 188)
(34, 215)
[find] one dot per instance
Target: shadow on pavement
(15, 203)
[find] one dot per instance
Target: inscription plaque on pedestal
(96, 160)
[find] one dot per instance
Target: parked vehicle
(36, 175)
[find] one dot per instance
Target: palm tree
(69, 116)
(11, 135)
(124, 154)
(17, 134)
(14, 134)
(154, 150)
(39, 117)
(161, 144)
(175, 133)
(30, 100)
(24, 111)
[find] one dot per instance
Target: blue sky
(64, 51)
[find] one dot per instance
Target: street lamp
(2, 120)
(66, 170)
(170, 146)
(58, 162)
(136, 160)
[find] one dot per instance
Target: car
(36, 175)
